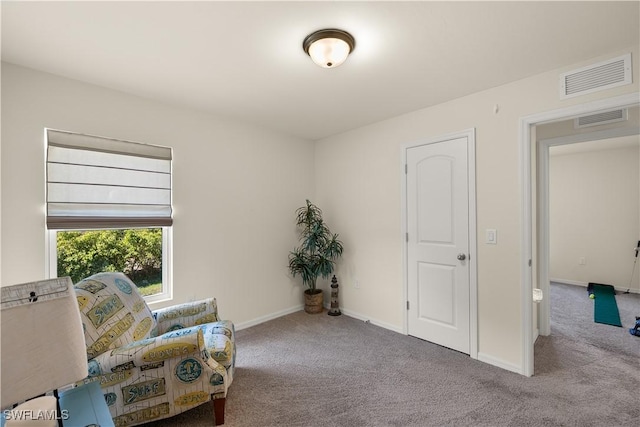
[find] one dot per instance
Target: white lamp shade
(43, 345)
(329, 52)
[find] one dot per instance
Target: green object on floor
(605, 308)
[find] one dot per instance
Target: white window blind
(95, 182)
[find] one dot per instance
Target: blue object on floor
(636, 329)
(80, 406)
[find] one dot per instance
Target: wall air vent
(595, 77)
(602, 118)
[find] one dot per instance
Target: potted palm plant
(315, 256)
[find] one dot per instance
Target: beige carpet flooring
(317, 370)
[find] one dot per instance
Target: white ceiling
(244, 60)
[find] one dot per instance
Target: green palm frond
(318, 250)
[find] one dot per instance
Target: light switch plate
(492, 236)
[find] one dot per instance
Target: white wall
(593, 214)
(236, 188)
(226, 172)
(358, 176)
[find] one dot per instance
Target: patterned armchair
(154, 365)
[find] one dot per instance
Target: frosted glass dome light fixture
(329, 48)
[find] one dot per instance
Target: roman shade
(95, 182)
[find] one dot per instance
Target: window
(140, 253)
(109, 209)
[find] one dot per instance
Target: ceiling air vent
(603, 75)
(601, 118)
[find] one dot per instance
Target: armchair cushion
(158, 377)
(113, 312)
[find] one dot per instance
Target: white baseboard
(624, 290)
(568, 282)
(268, 317)
(585, 284)
(364, 318)
(376, 322)
(290, 310)
(500, 363)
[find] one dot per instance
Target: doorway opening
(534, 166)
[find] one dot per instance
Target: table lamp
(43, 349)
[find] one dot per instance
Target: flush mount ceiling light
(329, 48)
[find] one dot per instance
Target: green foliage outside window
(135, 252)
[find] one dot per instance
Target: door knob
(462, 257)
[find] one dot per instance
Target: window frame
(51, 261)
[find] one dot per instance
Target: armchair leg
(218, 410)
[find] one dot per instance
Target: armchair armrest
(185, 315)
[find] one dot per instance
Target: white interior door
(438, 242)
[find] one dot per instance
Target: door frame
(527, 175)
(544, 240)
(470, 134)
